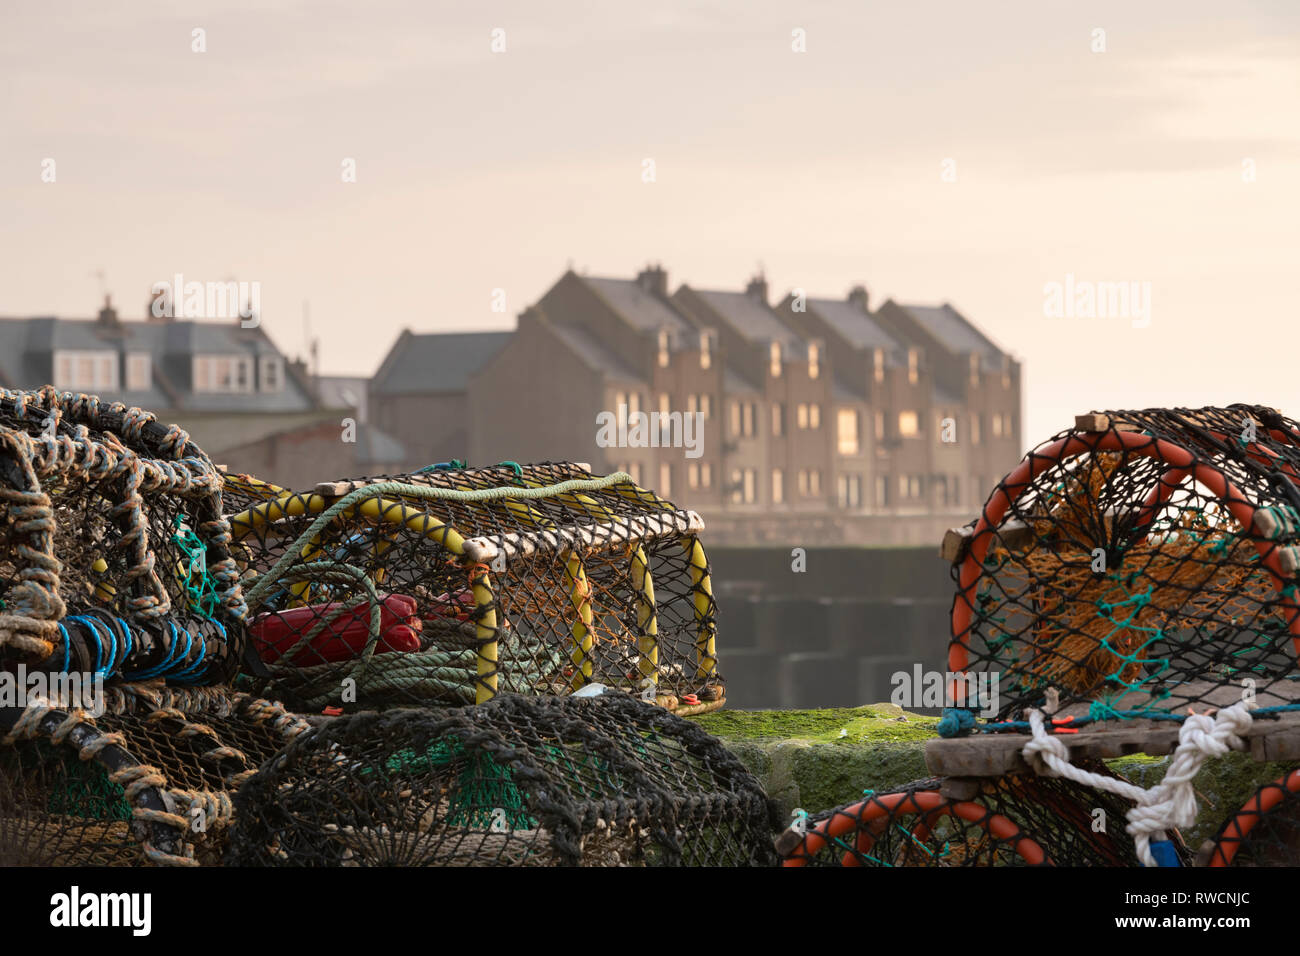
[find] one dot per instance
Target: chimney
(858, 297)
(108, 315)
(757, 288)
(654, 279)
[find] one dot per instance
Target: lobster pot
(1138, 564)
(114, 559)
(149, 785)
(520, 781)
(450, 586)
(1265, 832)
(1015, 820)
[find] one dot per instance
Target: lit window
(997, 425)
(737, 487)
(665, 480)
(735, 418)
(975, 428)
(706, 405)
(751, 485)
(814, 416)
(814, 364)
(803, 481)
(138, 372)
(664, 403)
(706, 476)
(692, 404)
(750, 411)
(778, 419)
(878, 365)
(880, 425)
(634, 403)
(847, 431)
(849, 488)
(908, 424)
(815, 482)
(663, 348)
(620, 403)
(693, 475)
(706, 359)
(778, 486)
(801, 416)
(913, 366)
(775, 359)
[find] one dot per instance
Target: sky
(933, 151)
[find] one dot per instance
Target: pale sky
(479, 170)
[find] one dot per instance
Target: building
(247, 405)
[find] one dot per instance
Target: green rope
(199, 586)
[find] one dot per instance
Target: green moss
(877, 723)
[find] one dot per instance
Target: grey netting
(520, 781)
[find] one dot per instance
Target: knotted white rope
(1172, 802)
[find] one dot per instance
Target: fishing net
(146, 783)
(449, 586)
(519, 781)
(1266, 831)
(113, 548)
(1138, 564)
(1015, 820)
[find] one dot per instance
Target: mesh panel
(1014, 821)
(1141, 569)
(425, 599)
(520, 781)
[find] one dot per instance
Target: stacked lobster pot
(1133, 587)
(120, 629)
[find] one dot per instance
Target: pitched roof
(754, 320)
(857, 327)
(377, 447)
(594, 355)
(955, 331)
(641, 308)
(436, 361)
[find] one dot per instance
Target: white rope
(1172, 802)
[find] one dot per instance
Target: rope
(1170, 803)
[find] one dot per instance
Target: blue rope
(1021, 726)
(454, 465)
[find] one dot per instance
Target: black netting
(519, 781)
(384, 592)
(113, 548)
(1266, 831)
(1016, 820)
(1141, 568)
(144, 786)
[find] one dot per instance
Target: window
(1006, 373)
(86, 370)
(272, 373)
(878, 364)
(814, 416)
(663, 348)
(139, 376)
(849, 491)
(735, 418)
(974, 370)
(706, 405)
(665, 480)
(635, 471)
(634, 403)
(706, 359)
(706, 475)
(751, 485)
(620, 403)
(223, 373)
(880, 426)
(975, 428)
(801, 416)
(909, 425)
(814, 360)
(778, 419)
(692, 404)
(909, 486)
(778, 486)
(665, 405)
(913, 367)
(693, 475)
(882, 491)
(997, 425)
(846, 427)
(737, 487)
(815, 482)
(774, 355)
(749, 423)
(803, 482)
